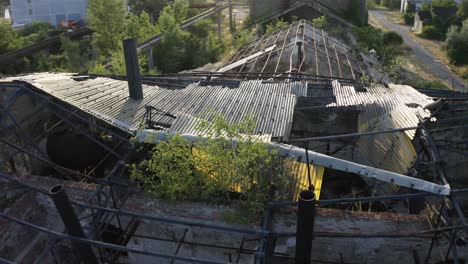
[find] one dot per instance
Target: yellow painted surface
(300, 171)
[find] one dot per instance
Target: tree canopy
(107, 18)
(456, 44)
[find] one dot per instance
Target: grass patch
(435, 47)
(415, 74)
(395, 17)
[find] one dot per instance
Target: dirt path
(432, 63)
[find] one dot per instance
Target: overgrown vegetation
(444, 14)
(386, 46)
(391, 4)
(180, 50)
(456, 44)
(232, 164)
(320, 22)
(274, 26)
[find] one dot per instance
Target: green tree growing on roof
(231, 164)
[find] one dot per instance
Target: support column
(72, 224)
(305, 226)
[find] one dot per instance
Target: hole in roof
(224, 83)
(81, 78)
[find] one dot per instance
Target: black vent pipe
(305, 226)
(133, 69)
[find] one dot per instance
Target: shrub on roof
(231, 162)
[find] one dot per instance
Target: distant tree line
(111, 23)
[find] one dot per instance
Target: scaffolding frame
(107, 201)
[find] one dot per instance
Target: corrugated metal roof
(187, 124)
(271, 104)
(384, 108)
(300, 47)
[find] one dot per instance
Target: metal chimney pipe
(72, 224)
(305, 226)
(133, 69)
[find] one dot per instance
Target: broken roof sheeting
(271, 104)
(301, 47)
(385, 108)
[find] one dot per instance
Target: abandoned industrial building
(378, 169)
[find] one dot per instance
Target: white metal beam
(153, 136)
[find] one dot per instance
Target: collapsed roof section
(378, 108)
(298, 48)
(273, 104)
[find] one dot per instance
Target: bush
(456, 44)
(275, 26)
(394, 4)
(368, 38)
(408, 17)
(231, 159)
(320, 22)
(432, 32)
(392, 38)
(463, 9)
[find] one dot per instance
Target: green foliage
(408, 17)
(107, 19)
(392, 38)
(169, 173)
(203, 45)
(432, 32)
(242, 38)
(180, 10)
(320, 22)
(75, 54)
(37, 27)
(248, 22)
(151, 7)
(393, 4)
(444, 3)
(140, 27)
(275, 26)
(386, 45)
(420, 83)
(439, 25)
(181, 50)
(463, 9)
(372, 4)
(230, 157)
(426, 6)
(8, 39)
(170, 53)
(368, 38)
(456, 44)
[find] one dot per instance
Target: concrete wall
(51, 11)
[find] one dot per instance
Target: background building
(52, 11)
